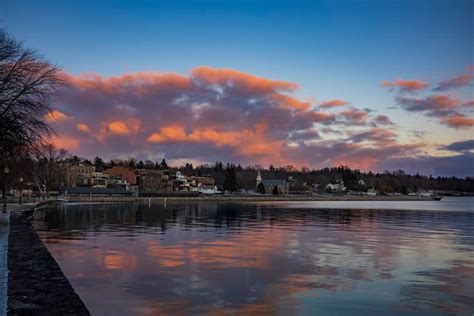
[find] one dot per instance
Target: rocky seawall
(36, 284)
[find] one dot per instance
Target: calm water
(366, 258)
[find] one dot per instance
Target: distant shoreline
(252, 198)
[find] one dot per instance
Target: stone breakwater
(36, 284)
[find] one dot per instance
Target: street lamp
(21, 190)
(6, 171)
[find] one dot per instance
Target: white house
(206, 189)
(336, 187)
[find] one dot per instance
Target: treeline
(47, 168)
(231, 177)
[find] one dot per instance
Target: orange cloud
(333, 103)
(286, 101)
(172, 133)
(121, 128)
(406, 85)
(241, 79)
(56, 116)
(83, 128)
(66, 142)
(136, 82)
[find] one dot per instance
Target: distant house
(337, 187)
(206, 189)
(273, 186)
(371, 192)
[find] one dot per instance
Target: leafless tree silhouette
(27, 82)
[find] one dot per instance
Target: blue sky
(331, 49)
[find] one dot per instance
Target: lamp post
(44, 191)
(21, 190)
(6, 171)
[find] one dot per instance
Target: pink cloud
(445, 108)
(354, 116)
(212, 114)
(333, 103)
(382, 120)
(456, 82)
(435, 105)
(382, 136)
(458, 121)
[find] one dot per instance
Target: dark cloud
(460, 146)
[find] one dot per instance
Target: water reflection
(211, 258)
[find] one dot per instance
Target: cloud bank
(223, 114)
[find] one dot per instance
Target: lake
(286, 258)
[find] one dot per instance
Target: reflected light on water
(263, 258)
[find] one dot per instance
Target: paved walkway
(4, 228)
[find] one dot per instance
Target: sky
(375, 85)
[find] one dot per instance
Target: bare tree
(27, 82)
(49, 171)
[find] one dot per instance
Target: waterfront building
(116, 182)
(79, 174)
(100, 179)
(273, 186)
(206, 189)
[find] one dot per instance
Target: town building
(125, 173)
(155, 180)
(116, 182)
(208, 181)
(273, 186)
(79, 174)
(100, 179)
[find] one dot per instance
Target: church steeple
(259, 177)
